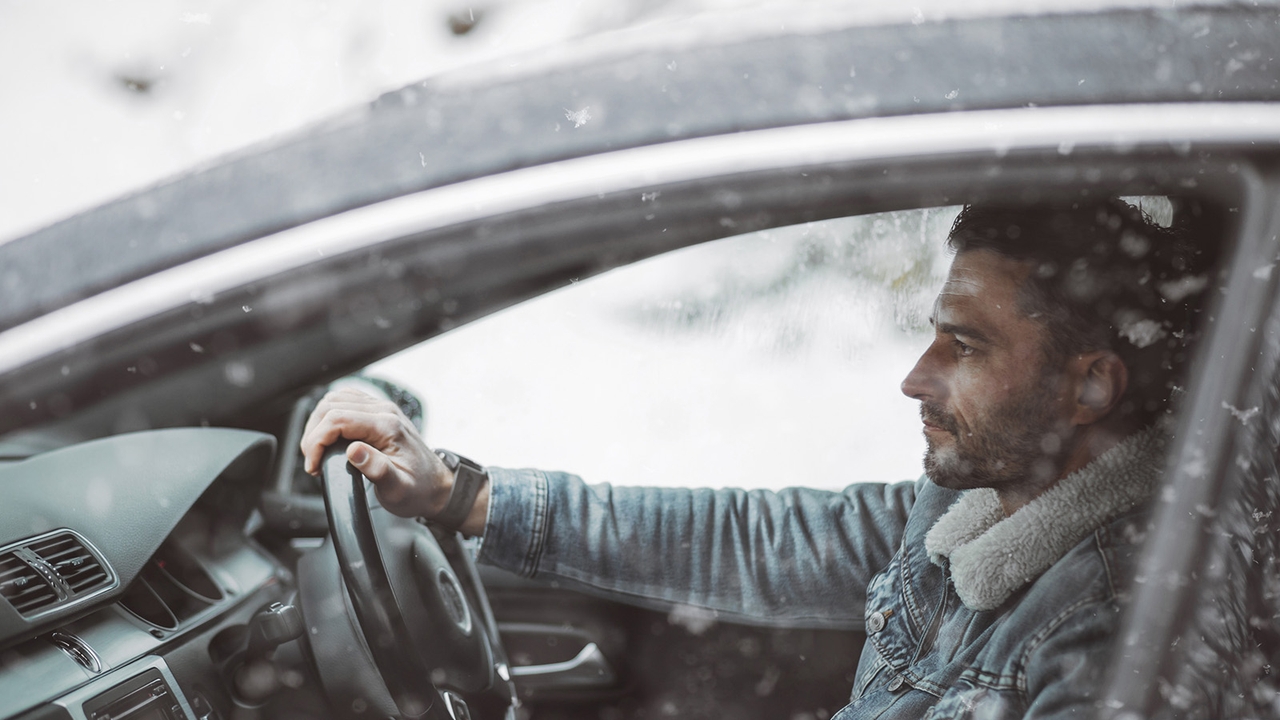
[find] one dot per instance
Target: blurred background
(104, 96)
(764, 360)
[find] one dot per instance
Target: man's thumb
(368, 460)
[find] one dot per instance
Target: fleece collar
(992, 556)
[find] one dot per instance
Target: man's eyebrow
(968, 331)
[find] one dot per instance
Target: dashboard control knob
(273, 626)
(255, 677)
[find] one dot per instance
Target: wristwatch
(468, 476)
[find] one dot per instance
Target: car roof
(655, 87)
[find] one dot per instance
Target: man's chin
(947, 469)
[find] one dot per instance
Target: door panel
(670, 664)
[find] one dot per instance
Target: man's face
(989, 400)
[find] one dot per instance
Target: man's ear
(1102, 379)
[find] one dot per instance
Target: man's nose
(924, 381)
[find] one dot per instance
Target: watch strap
(468, 476)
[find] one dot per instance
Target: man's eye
(963, 348)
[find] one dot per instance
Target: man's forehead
(981, 281)
(963, 282)
(983, 273)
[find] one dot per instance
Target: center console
(149, 692)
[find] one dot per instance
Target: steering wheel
(417, 602)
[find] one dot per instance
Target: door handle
(589, 669)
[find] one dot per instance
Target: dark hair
(1104, 276)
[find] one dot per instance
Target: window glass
(763, 360)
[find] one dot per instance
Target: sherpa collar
(992, 556)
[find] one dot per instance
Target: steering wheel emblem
(454, 604)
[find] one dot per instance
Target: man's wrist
(475, 522)
(467, 503)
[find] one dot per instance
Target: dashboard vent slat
(87, 580)
(19, 579)
(62, 554)
(11, 566)
(48, 572)
(30, 594)
(54, 545)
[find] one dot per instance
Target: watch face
(451, 461)
(454, 461)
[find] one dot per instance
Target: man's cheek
(981, 380)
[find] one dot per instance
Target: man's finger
(393, 487)
(370, 461)
(315, 440)
(376, 428)
(334, 399)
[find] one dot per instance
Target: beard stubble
(1008, 446)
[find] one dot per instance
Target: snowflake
(578, 117)
(1143, 333)
(1176, 290)
(1244, 416)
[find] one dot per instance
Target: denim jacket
(850, 559)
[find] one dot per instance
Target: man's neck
(1088, 444)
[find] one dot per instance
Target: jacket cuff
(516, 526)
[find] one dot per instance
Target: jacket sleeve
(797, 556)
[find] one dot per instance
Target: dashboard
(132, 587)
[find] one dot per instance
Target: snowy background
(765, 360)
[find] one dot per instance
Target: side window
(758, 361)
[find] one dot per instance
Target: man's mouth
(937, 420)
(935, 431)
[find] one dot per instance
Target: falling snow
(1143, 333)
(1244, 416)
(578, 117)
(1184, 287)
(696, 620)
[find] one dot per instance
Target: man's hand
(409, 479)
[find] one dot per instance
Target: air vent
(79, 569)
(173, 587)
(145, 603)
(49, 572)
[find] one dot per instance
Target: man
(988, 588)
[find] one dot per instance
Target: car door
(1200, 637)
